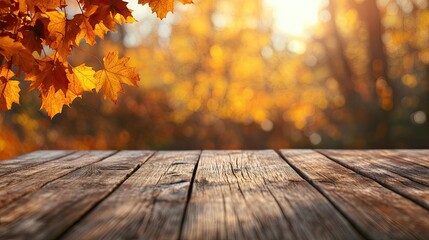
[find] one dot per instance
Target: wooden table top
(261, 194)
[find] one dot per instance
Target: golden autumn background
(235, 74)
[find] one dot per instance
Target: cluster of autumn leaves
(38, 36)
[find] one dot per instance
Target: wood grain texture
(329, 194)
(414, 156)
(148, 205)
(257, 195)
(17, 184)
(409, 164)
(389, 169)
(376, 211)
(29, 160)
(48, 212)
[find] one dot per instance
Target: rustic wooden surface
(261, 194)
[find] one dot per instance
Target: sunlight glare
(294, 17)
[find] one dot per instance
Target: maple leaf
(31, 39)
(53, 101)
(114, 74)
(51, 73)
(57, 23)
(24, 60)
(8, 20)
(9, 89)
(107, 13)
(62, 33)
(162, 7)
(100, 30)
(86, 29)
(101, 16)
(28, 26)
(43, 5)
(15, 51)
(9, 47)
(82, 79)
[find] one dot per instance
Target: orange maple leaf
(31, 37)
(120, 12)
(43, 5)
(104, 14)
(114, 74)
(9, 47)
(51, 74)
(15, 51)
(62, 33)
(53, 101)
(86, 29)
(9, 89)
(24, 60)
(28, 26)
(162, 7)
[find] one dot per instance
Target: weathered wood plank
(389, 169)
(378, 212)
(406, 163)
(29, 160)
(257, 195)
(414, 164)
(46, 213)
(17, 184)
(419, 156)
(148, 205)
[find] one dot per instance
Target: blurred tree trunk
(341, 68)
(427, 93)
(370, 117)
(370, 15)
(360, 113)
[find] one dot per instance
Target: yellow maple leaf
(100, 30)
(162, 7)
(57, 24)
(82, 79)
(9, 89)
(120, 19)
(114, 74)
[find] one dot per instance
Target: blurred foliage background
(252, 74)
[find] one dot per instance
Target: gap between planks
(333, 203)
(45, 213)
(17, 184)
(377, 211)
(182, 220)
(30, 160)
(407, 187)
(256, 194)
(106, 195)
(149, 204)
